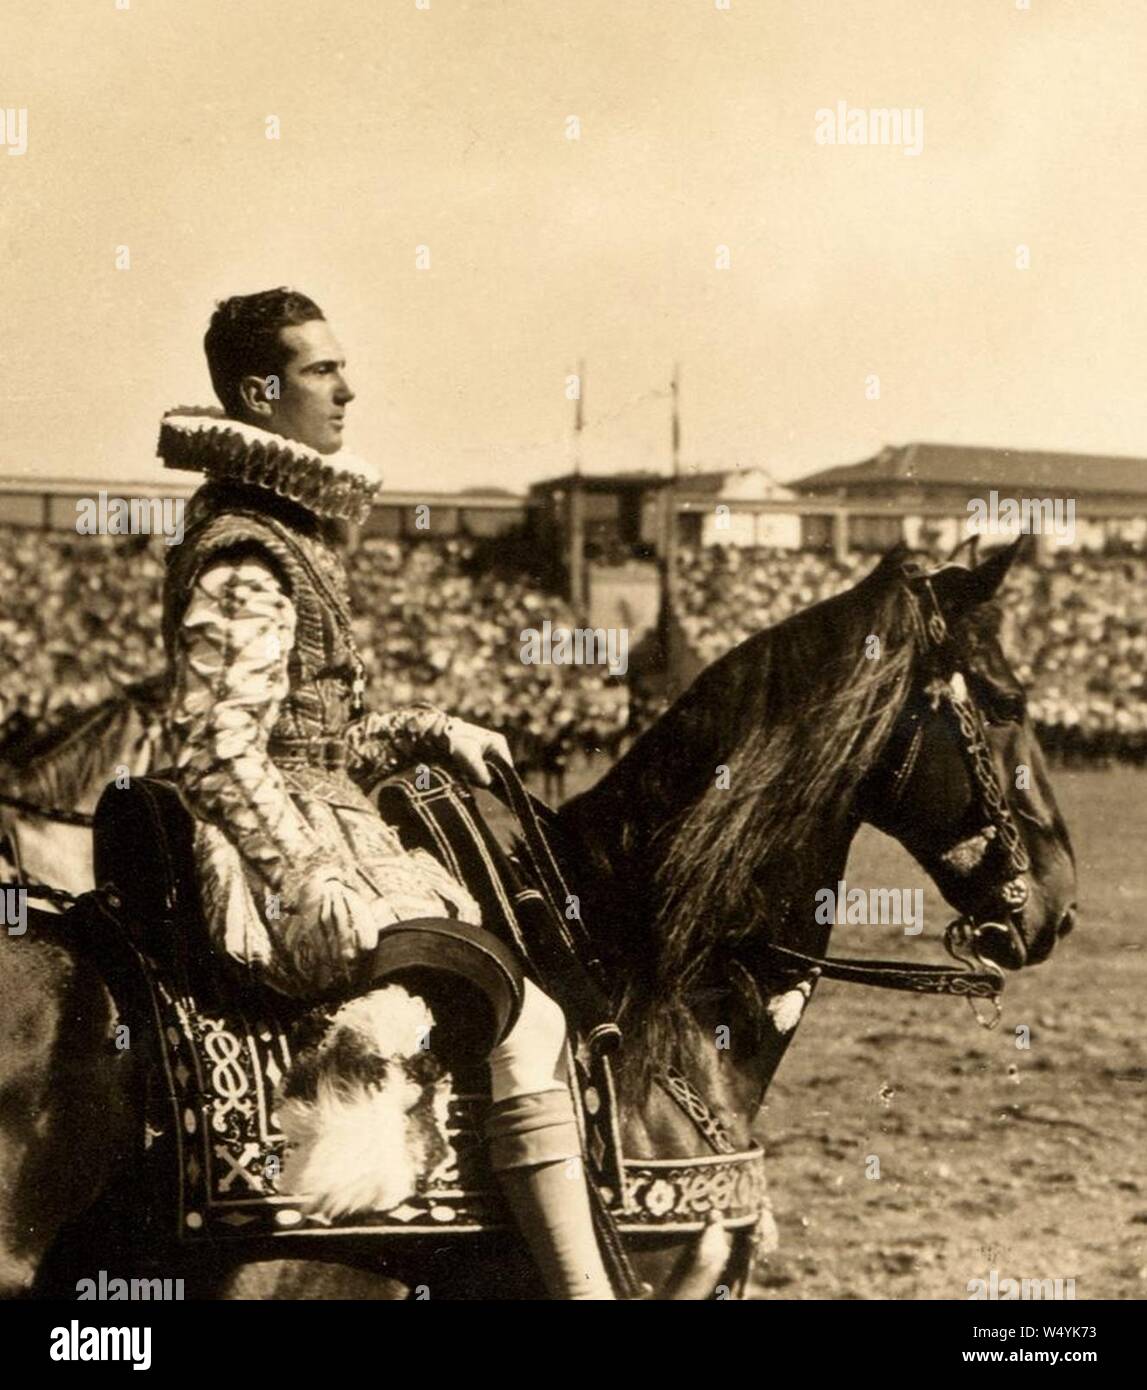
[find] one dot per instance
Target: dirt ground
(1031, 1162)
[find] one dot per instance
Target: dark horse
(697, 859)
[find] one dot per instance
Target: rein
(725, 1186)
(53, 813)
(916, 978)
(59, 897)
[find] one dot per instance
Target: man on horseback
(300, 877)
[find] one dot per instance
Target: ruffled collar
(207, 441)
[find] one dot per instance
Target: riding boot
(535, 1150)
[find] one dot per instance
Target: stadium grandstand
(445, 584)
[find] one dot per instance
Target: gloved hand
(331, 928)
(469, 744)
(385, 741)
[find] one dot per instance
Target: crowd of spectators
(434, 624)
(80, 617)
(1075, 631)
(1079, 643)
(724, 594)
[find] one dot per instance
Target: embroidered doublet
(274, 749)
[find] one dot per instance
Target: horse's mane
(799, 714)
(61, 765)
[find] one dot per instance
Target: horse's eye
(1014, 706)
(1008, 709)
(1001, 704)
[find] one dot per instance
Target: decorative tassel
(968, 854)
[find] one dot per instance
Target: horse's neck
(618, 830)
(617, 824)
(73, 777)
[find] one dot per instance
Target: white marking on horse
(785, 1009)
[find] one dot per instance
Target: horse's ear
(970, 543)
(959, 590)
(987, 578)
(891, 562)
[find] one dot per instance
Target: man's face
(313, 390)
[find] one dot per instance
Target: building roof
(602, 482)
(1010, 470)
(690, 480)
(732, 482)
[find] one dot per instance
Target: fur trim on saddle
(207, 441)
(365, 1115)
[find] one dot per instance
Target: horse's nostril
(1066, 922)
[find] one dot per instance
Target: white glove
(331, 927)
(469, 744)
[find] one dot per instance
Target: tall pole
(669, 537)
(675, 389)
(577, 504)
(579, 415)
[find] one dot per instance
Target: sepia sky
(447, 128)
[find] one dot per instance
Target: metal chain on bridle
(988, 783)
(964, 936)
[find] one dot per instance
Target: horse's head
(962, 783)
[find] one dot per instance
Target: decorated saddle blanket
(213, 1126)
(216, 1159)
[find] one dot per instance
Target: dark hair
(243, 338)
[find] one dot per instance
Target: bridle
(1007, 896)
(978, 976)
(1011, 894)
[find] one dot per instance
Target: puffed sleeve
(231, 675)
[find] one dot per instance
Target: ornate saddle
(145, 865)
(223, 1047)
